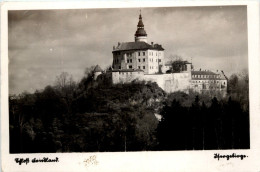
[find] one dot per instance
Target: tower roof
(97, 69)
(140, 23)
(140, 27)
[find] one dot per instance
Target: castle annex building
(143, 61)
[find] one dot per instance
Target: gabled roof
(207, 73)
(97, 69)
(137, 46)
(127, 70)
(203, 73)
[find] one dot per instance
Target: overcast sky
(44, 43)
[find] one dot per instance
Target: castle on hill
(142, 61)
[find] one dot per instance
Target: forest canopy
(92, 117)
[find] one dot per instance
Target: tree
(89, 71)
(65, 82)
(174, 57)
(233, 83)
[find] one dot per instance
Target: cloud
(44, 43)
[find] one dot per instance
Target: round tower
(140, 34)
(97, 71)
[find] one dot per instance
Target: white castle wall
(168, 82)
(177, 82)
(126, 77)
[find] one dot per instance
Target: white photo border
(138, 161)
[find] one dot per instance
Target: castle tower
(140, 34)
(97, 71)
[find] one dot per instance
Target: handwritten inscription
(21, 161)
(227, 157)
(92, 160)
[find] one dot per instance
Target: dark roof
(97, 69)
(127, 70)
(206, 73)
(208, 78)
(137, 46)
(140, 23)
(203, 73)
(140, 32)
(140, 28)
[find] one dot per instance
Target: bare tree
(62, 80)
(174, 57)
(89, 71)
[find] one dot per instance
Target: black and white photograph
(128, 80)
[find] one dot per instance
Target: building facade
(207, 80)
(142, 61)
(139, 54)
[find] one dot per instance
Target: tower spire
(140, 34)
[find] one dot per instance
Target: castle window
(160, 60)
(143, 59)
(139, 53)
(139, 60)
(127, 61)
(130, 60)
(119, 67)
(143, 67)
(130, 67)
(139, 67)
(224, 83)
(143, 53)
